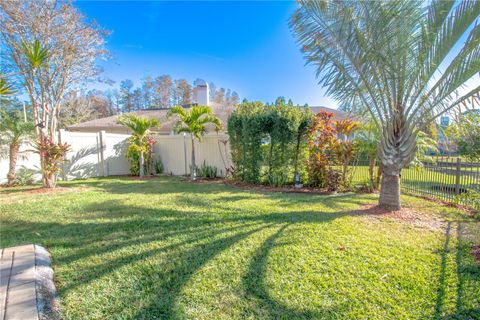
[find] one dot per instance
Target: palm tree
(194, 122)
(405, 61)
(140, 127)
(36, 57)
(368, 139)
(14, 132)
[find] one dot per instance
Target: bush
(471, 198)
(24, 177)
(207, 172)
(330, 152)
(158, 165)
(133, 155)
(334, 180)
(268, 141)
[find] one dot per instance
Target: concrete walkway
(26, 284)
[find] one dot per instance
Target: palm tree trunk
(11, 176)
(49, 180)
(390, 189)
(142, 163)
(193, 169)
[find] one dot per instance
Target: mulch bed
(407, 215)
(42, 190)
(288, 189)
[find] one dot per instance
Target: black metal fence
(446, 178)
(449, 179)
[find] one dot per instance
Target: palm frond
(36, 55)
(6, 88)
(389, 57)
(195, 120)
(140, 126)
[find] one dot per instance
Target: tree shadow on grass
(183, 241)
(116, 235)
(256, 287)
(467, 272)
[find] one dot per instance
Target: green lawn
(168, 249)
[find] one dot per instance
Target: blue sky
(246, 46)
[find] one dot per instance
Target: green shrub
(333, 180)
(133, 155)
(471, 198)
(24, 177)
(207, 172)
(158, 165)
(268, 142)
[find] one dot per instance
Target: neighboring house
(110, 125)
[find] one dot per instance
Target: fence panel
(83, 158)
(114, 153)
(445, 178)
(175, 152)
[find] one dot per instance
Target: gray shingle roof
(110, 124)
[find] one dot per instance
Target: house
(167, 124)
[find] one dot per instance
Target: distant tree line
(153, 93)
(165, 92)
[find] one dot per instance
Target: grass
(169, 249)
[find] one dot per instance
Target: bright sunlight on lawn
(164, 248)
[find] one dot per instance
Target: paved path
(22, 278)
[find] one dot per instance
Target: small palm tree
(140, 127)
(194, 122)
(14, 132)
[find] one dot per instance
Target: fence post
(185, 152)
(457, 177)
(103, 146)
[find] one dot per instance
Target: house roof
(167, 124)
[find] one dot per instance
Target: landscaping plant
(49, 48)
(406, 62)
(52, 155)
(24, 177)
(158, 166)
(207, 172)
(246, 132)
(321, 144)
(194, 122)
(344, 148)
(268, 141)
(140, 143)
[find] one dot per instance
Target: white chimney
(200, 92)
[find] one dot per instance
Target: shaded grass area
(169, 249)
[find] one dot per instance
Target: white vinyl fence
(104, 154)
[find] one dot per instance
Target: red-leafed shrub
(330, 151)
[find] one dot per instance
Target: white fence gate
(104, 154)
